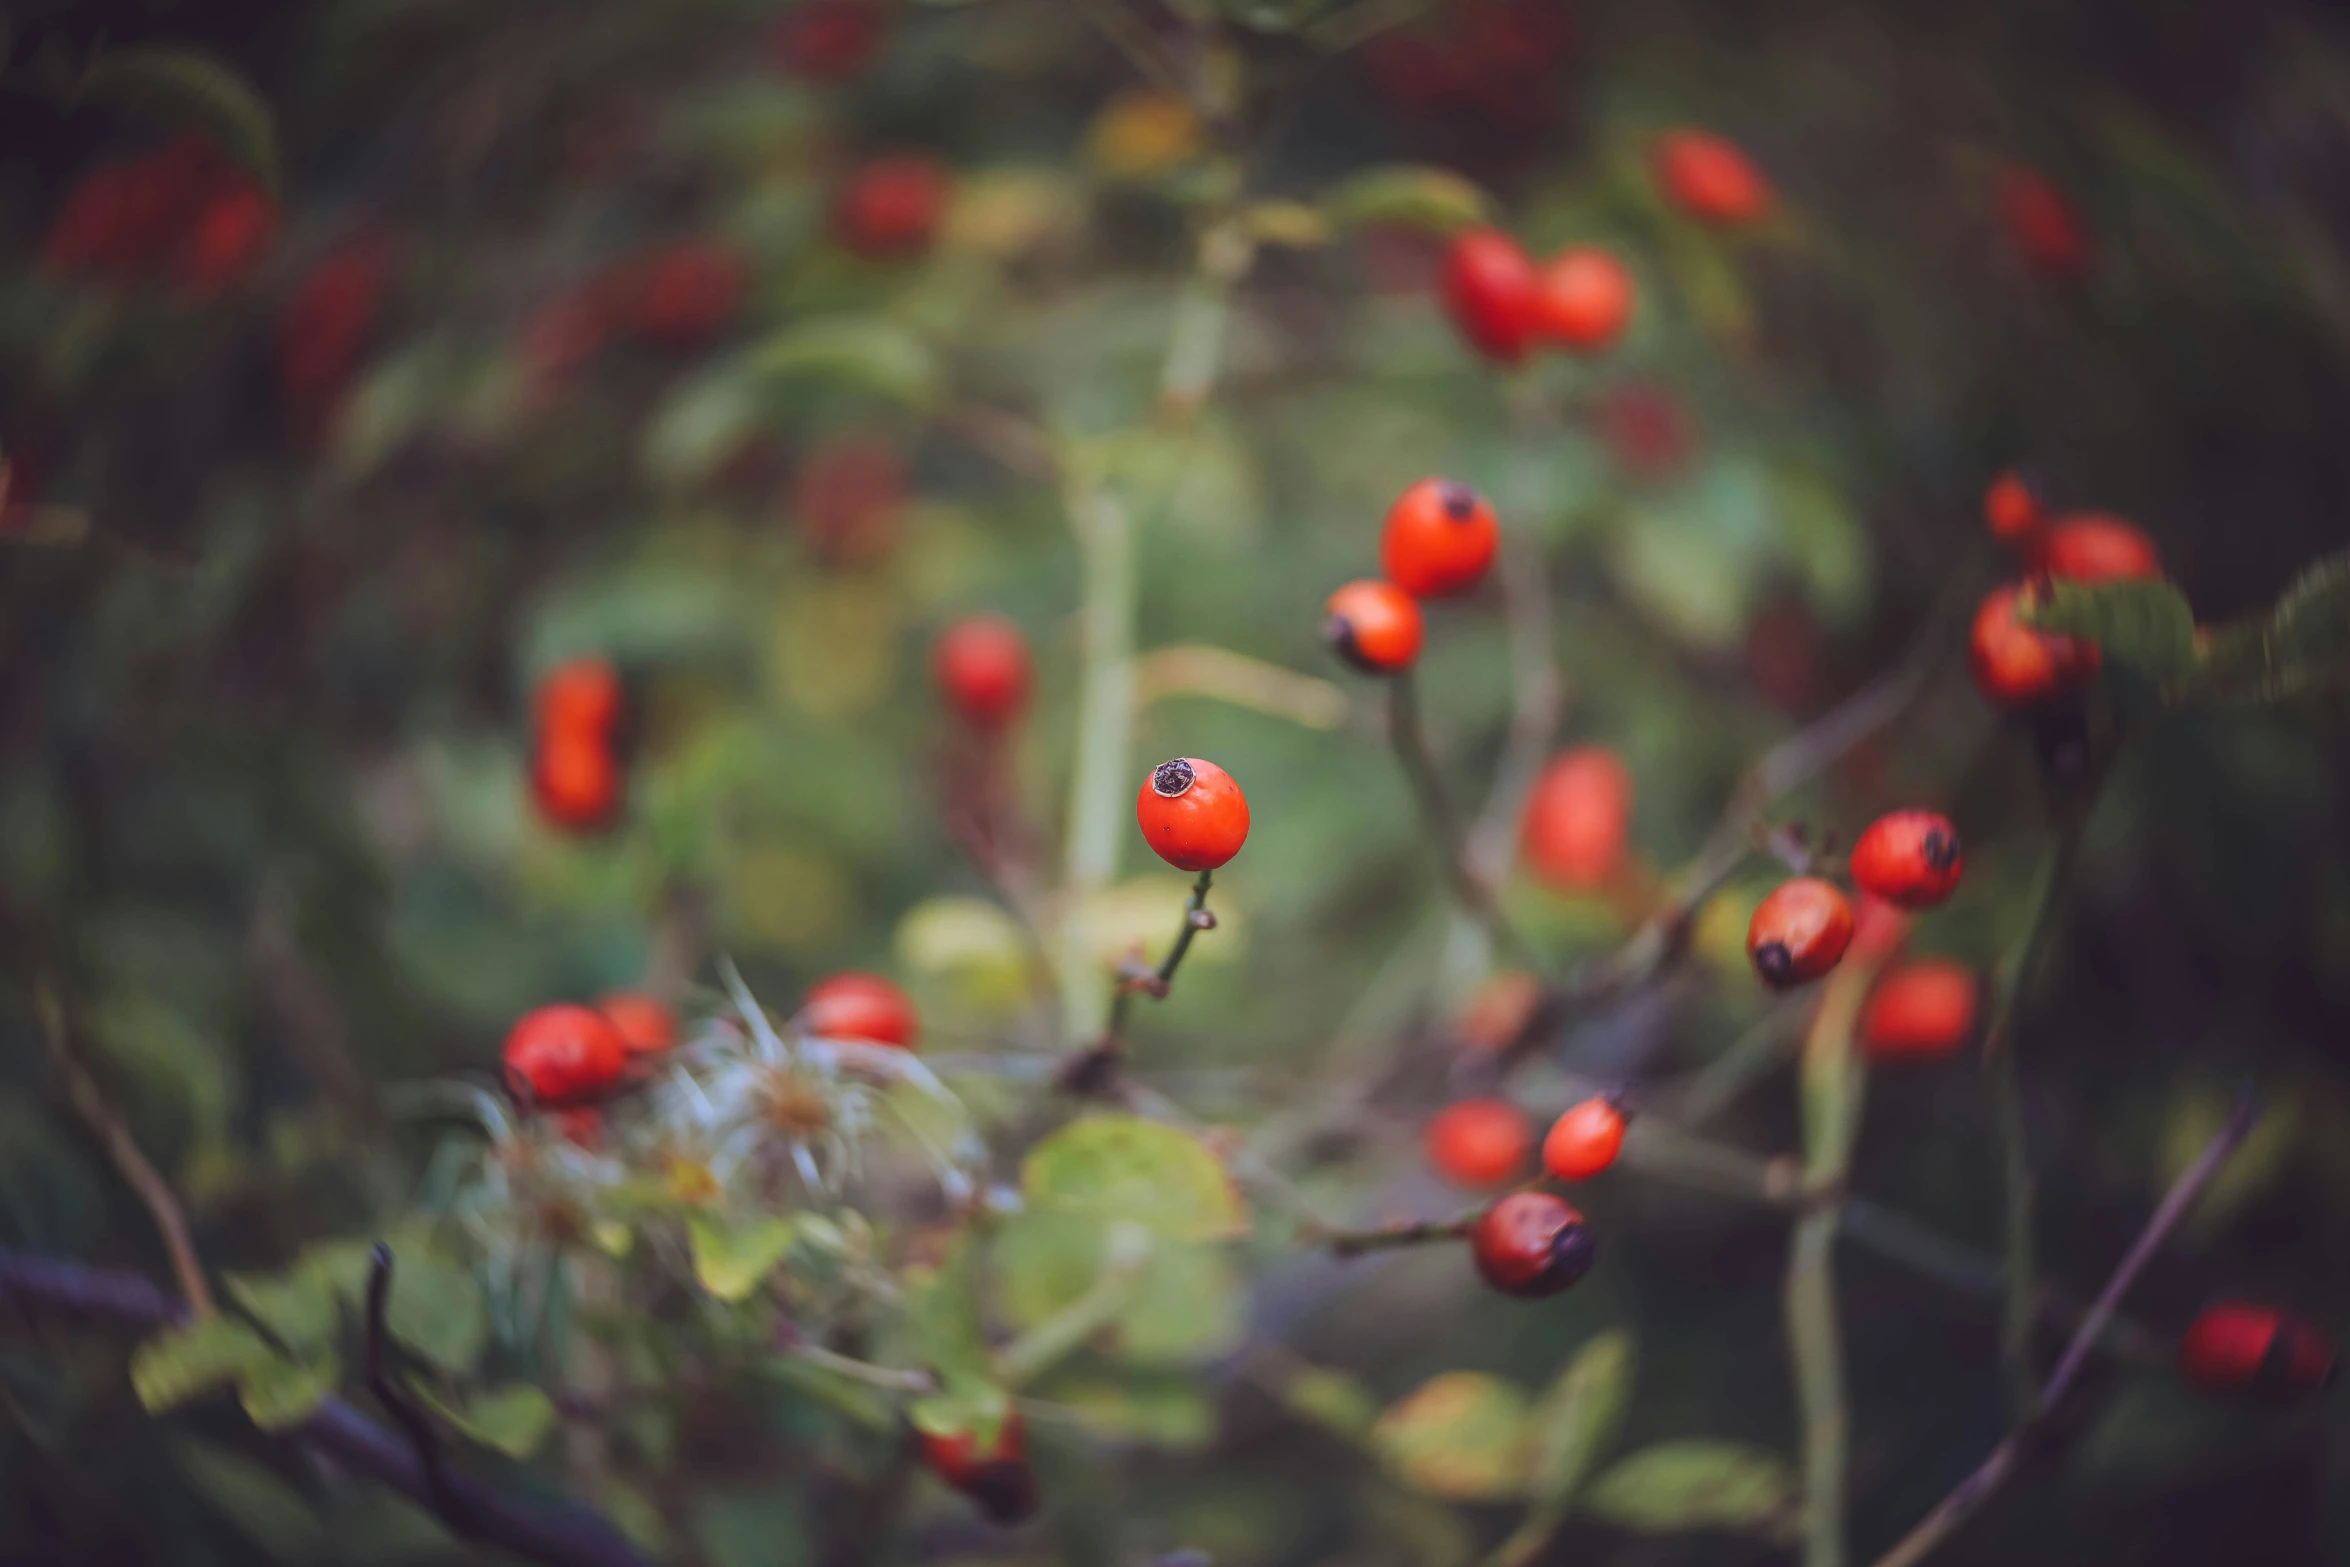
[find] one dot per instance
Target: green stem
(2015, 1162)
(1105, 731)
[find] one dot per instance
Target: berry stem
(1972, 1492)
(1442, 823)
(1196, 918)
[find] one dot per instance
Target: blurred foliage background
(468, 338)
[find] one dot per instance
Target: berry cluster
(1439, 540)
(569, 1057)
(1909, 860)
(1504, 305)
(2014, 664)
(180, 213)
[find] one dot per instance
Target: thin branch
(1538, 701)
(1970, 1494)
(129, 1160)
(1443, 823)
(1089, 1070)
(557, 1534)
(1414, 1232)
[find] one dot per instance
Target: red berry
(1192, 814)
(1577, 817)
(860, 1006)
(2042, 224)
(2095, 547)
(687, 291)
(1908, 858)
(1584, 1141)
(1583, 298)
(2236, 1346)
(980, 664)
(576, 781)
(891, 206)
(327, 322)
(2016, 666)
(231, 232)
(580, 698)
(1374, 626)
(1798, 932)
(1440, 537)
(564, 1055)
(646, 1026)
(1878, 928)
(1920, 1011)
(1710, 178)
(828, 40)
(1531, 1244)
(1489, 291)
(1479, 1142)
(997, 1477)
(2012, 510)
(847, 497)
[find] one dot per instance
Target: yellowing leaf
(1694, 1485)
(1143, 133)
(730, 1263)
(1462, 1435)
(1124, 1167)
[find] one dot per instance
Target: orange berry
(576, 782)
(1909, 858)
(1578, 815)
(1583, 298)
(1584, 1141)
(1798, 932)
(1711, 178)
(2016, 666)
(860, 1006)
(2097, 547)
(1489, 291)
(580, 698)
(1374, 625)
(563, 1055)
(1440, 537)
(1192, 814)
(1920, 1011)
(646, 1026)
(1479, 1142)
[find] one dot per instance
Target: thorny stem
(1971, 1493)
(129, 1160)
(1437, 814)
(2015, 1164)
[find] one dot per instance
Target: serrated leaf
(255, 1500)
(865, 353)
(1694, 1485)
(1186, 1308)
(298, 1305)
(1124, 1167)
(1461, 1434)
(2301, 645)
(729, 1261)
(513, 1419)
(437, 1310)
(2143, 623)
(184, 1362)
(191, 84)
(1577, 1419)
(280, 1393)
(1412, 195)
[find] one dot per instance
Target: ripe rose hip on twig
(1585, 1140)
(1440, 537)
(1192, 814)
(1375, 626)
(1910, 859)
(1531, 1244)
(1798, 932)
(562, 1056)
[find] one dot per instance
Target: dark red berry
(891, 206)
(1799, 932)
(1531, 1244)
(1192, 814)
(1909, 858)
(2239, 1347)
(1374, 626)
(2042, 223)
(1440, 537)
(996, 1477)
(1490, 292)
(980, 664)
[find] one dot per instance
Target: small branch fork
(557, 1534)
(1089, 1071)
(1971, 1493)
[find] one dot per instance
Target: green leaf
(513, 1419)
(184, 1362)
(1577, 1419)
(2301, 645)
(191, 84)
(281, 1393)
(1187, 1307)
(1413, 195)
(1462, 1435)
(255, 1500)
(863, 353)
(1332, 1400)
(437, 1310)
(1694, 1485)
(702, 423)
(942, 1310)
(297, 1305)
(729, 1262)
(979, 1408)
(1124, 1167)
(2143, 623)
(1173, 1411)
